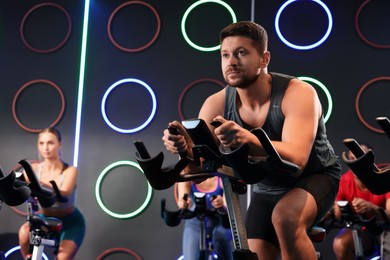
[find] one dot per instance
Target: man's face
(240, 61)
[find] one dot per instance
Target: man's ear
(266, 57)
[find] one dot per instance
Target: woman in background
(221, 237)
(51, 167)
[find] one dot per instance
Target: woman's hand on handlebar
(217, 201)
(184, 202)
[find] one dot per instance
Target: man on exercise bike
(282, 207)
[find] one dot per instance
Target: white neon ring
(130, 130)
(304, 47)
(17, 248)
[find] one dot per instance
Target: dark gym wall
(180, 77)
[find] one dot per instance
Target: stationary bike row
(202, 213)
(44, 231)
(233, 166)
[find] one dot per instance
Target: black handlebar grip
(216, 123)
(58, 192)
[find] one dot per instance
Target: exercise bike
(203, 214)
(44, 231)
(358, 224)
(232, 166)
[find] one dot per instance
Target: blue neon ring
(303, 47)
(327, 93)
(130, 130)
(15, 248)
(183, 23)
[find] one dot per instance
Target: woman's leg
(222, 238)
(191, 236)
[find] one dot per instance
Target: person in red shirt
(363, 203)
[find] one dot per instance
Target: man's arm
(302, 110)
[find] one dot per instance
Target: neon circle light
(188, 11)
(188, 87)
(146, 45)
(357, 101)
(142, 126)
(22, 89)
(16, 248)
(303, 47)
(62, 43)
(327, 93)
(116, 250)
(98, 191)
(361, 35)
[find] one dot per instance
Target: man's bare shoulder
(217, 97)
(213, 106)
(300, 85)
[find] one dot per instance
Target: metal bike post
(357, 242)
(235, 217)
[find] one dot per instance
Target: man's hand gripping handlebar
(216, 160)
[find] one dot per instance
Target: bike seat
(52, 224)
(317, 234)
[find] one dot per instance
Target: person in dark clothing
(282, 207)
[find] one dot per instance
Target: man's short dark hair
(250, 30)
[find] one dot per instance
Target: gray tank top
(322, 157)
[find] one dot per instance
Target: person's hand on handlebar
(184, 202)
(179, 142)
(362, 206)
(231, 135)
(217, 201)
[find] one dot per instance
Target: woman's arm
(182, 189)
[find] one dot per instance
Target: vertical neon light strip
(253, 10)
(81, 84)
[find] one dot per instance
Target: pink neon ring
(61, 43)
(23, 88)
(117, 249)
(358, 99)
(375, 45)
(140, 48)
(192, 84)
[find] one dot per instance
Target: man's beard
(242, 82)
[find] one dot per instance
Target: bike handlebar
(46, 196)
(12, 191)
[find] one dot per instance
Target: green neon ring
(327, 93)
(98, 191)
(183, 22)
